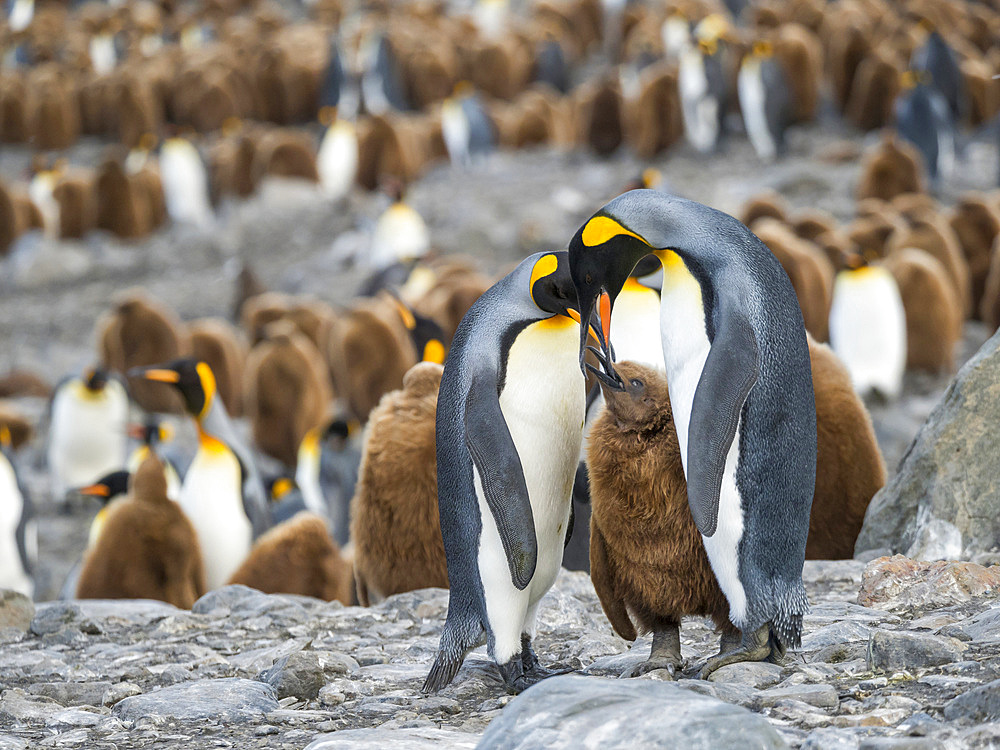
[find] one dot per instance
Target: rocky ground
(247, 670)
(914, 668)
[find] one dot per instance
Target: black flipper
(731, 370)
(502, 477)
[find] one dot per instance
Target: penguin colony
(202, 105)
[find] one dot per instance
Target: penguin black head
(108, 487)
(151, 432)
(193, 378)
(551, 286)
(426, 334)
(95, 379)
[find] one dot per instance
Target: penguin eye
(589, 279)
(636, 383)
(558, 292)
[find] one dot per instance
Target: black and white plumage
(703, 93)
(327, 472)
(18, 528)
(766, 101)
(467, 130)
(509, 425)
(940, 62)
(737, 364)
(923, 118)
(382, 87)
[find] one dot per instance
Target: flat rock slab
(821, 696)
(231, 699)
(899, 584)
(16, 610)
(419, 738)
(890, 650)
(572, 711)
(979, 704)
(754, 674)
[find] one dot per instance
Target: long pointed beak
(588, 314)
(570, 312)
(154, 373)
(604, 308)
(95, 490)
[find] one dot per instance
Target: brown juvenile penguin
(976, 224)
(147, 548)
(989, 305)
(934, 236)
(914, 206)
(17, 425)
(217, 343)
(811, 223)
(654, 121)
(298, 557)
(141, 331)
(454, 290)
(600, 115)
(394, 513)
(647, 560)
(894, 167)
(18, 382)
(849, 464)
(932, 307)
(53, 114)
(286, 390)
(876, 85)
(871, 233)
(77, 201)
(766, 204)
(122, 206)
(284, 152)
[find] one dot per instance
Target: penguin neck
(215, 430)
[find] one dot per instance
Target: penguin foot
(664, 654)
(756, 647)
(530, 665)
(516, 678)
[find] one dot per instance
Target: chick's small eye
(636, 383)
(589, 279)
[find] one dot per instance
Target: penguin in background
(400, 235)
(923, 118)
(765, 96)
(19, 15)
(939, 61)
(868, 327)
(285, 499)
(738, 368)
(703, 89)
(152, 434)
(508, 443)
(468, 132)
(18, 527)
(427, 336)
(551, 66)
(40, 190)
(88, 415)
(337, 158)
(327, 471)
(222, 493)
(108, 490)
(381, 78)
(185, 183)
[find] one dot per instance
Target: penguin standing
(337, 158)
(400, 235)
(222, 492)
(18, 530)
(152, 433)
(381, 79)
(941, 64)
(703, 90)
(327, 471)
(868, 327)
(923, 118)
(467, 130)
(508, 443)
(87, 430)
(765, 100)
(737, 364)
(185, 183)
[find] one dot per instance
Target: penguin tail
(786, 625)
(443, 671)
(456, 642)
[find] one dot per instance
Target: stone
(949, 471)
(119, 692)
(831, 739)
(571, 711)
(753, 674)
(979, 704)
(16, 610)
(423, 738)
(832, 635)
(71, 693)
(891, 650)
(936, 539)
(900, 584)
(303, 673)
(821, 696)
(984, 626)
(55, 616)
(227, 700)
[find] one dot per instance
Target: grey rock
(571, 711)
(978, 704)
(119, 692)
(984, 626)
(71, 693)
(7, 742)
(936, 539)
(424, 738)
(837, 633)
(831, 739)
(890, 650)
(54, 616)
(16, 610)
(303, 673)
(227, 700)
(821, 696)
(752, 674)
(899, 743)
(949, 472)
(236, 599)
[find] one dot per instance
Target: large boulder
(942, 502)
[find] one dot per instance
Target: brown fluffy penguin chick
(18, 426)
(647, 560)
(141, 331)
(989, 305)
(217, 343)
(286, 390)
(600, 115)
(298, 557)
(654, 118)
(767, 204)
(876, 85)
(147, 548)
(849, 464)
(808, 268)
(77, 201)
(811, 223)
(394, 513)
(933, 310)
(934, 236)
(892, 168)
(976, 224)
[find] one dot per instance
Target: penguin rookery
(737, 363)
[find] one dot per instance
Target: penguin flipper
(600, 574)
(730, 371)
(495, 456)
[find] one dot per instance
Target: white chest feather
(685, 349)
(185, 183)
(400, 235)
(212, 499)
(750, 87)
(635, 326)
(307, 478)
(455, 131)
(12, 572)
(868, 329)
(337, 160)
(87, 437)
(699, 109)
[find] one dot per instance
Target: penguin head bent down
(551, 286)
(193, 378)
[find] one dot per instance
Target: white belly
(868, 329)
(699, 110)
(455, 131)
(87, 437)
(337, 160)
(750, 87)
(543, 405)
(12, 572)
(400, 235)
(185, 183)
(685, 349)
(212, 498)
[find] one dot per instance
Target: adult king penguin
(18, 530)
(737, 363)
(509, 425)
(222, 492)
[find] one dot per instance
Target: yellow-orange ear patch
(600, 229)
(434, 352)
(207, 378)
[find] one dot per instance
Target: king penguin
(109, 489)
(702, 86)
(18, 530)
(737, 364)
(467, 130)
(87, 430)
(765, 99)
(327, 472)
(922, 117)
(185, 183)
(508, 440)
(868, 327)
(222, 492)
